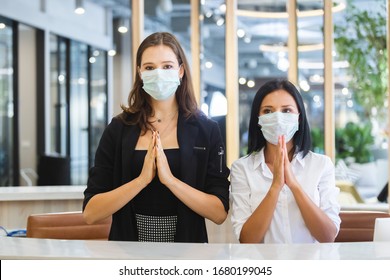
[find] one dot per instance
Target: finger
(284, 147)
(285, 144)
(151, 149)
(158, 141)
(280, 144)
(152, 141)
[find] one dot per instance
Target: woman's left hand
(289, 177)
(164, 172)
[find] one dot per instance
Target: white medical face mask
(160, 83)
(275, 124)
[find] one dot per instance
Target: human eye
(167, 67)
(290, 109)
(149, 68)
(266, 111)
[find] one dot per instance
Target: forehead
(157, 54)
(279, 97)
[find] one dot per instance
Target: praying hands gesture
(156, 162)
(282, 170)
(164, 172)
(320, 226)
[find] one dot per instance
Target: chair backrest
(358, 226)
(66, 225)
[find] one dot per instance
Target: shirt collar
(258, 159)
(298, 157)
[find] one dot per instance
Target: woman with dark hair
(160, 168)
(281, 191)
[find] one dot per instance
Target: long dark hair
(302, 138)
(139, 102)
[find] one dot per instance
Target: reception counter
(17, 203)
(31, 248)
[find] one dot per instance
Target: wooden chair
(358, 226)
(66, 225)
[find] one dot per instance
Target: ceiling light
(247, 39)
(320, 65)
(283, 48)
(345, 91)
(79, 7)
(251, 83)
(222, 8)
(123, 25)
(208, 64)
(339, 6)
(240, 33)
(304, 85)
(112, 51)
(242, 81)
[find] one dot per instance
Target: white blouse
(251, 179)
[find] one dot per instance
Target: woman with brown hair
(159, 168)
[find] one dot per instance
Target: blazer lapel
(187, 133)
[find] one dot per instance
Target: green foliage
(354, 140)
(362, 42)
(317, 139)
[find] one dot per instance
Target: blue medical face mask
(160, 83)
(275, 124)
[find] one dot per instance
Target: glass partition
(175, 17)
(361, 106)
(7, 104)
(58, 96)
(170, 16)
(262, 31)
(78, 113)
(98, 99)
(212, 62)
(310, 38)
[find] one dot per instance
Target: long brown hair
(139, 102)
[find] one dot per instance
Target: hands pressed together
(282, 170)
(156, 162)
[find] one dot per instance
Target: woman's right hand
(148, 171)
(278, 165)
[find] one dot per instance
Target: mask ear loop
(180, 67)
(139, 73)
(259, 125)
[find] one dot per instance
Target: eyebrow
(283, 106)
(163, 62)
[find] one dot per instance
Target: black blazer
(203, 166)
